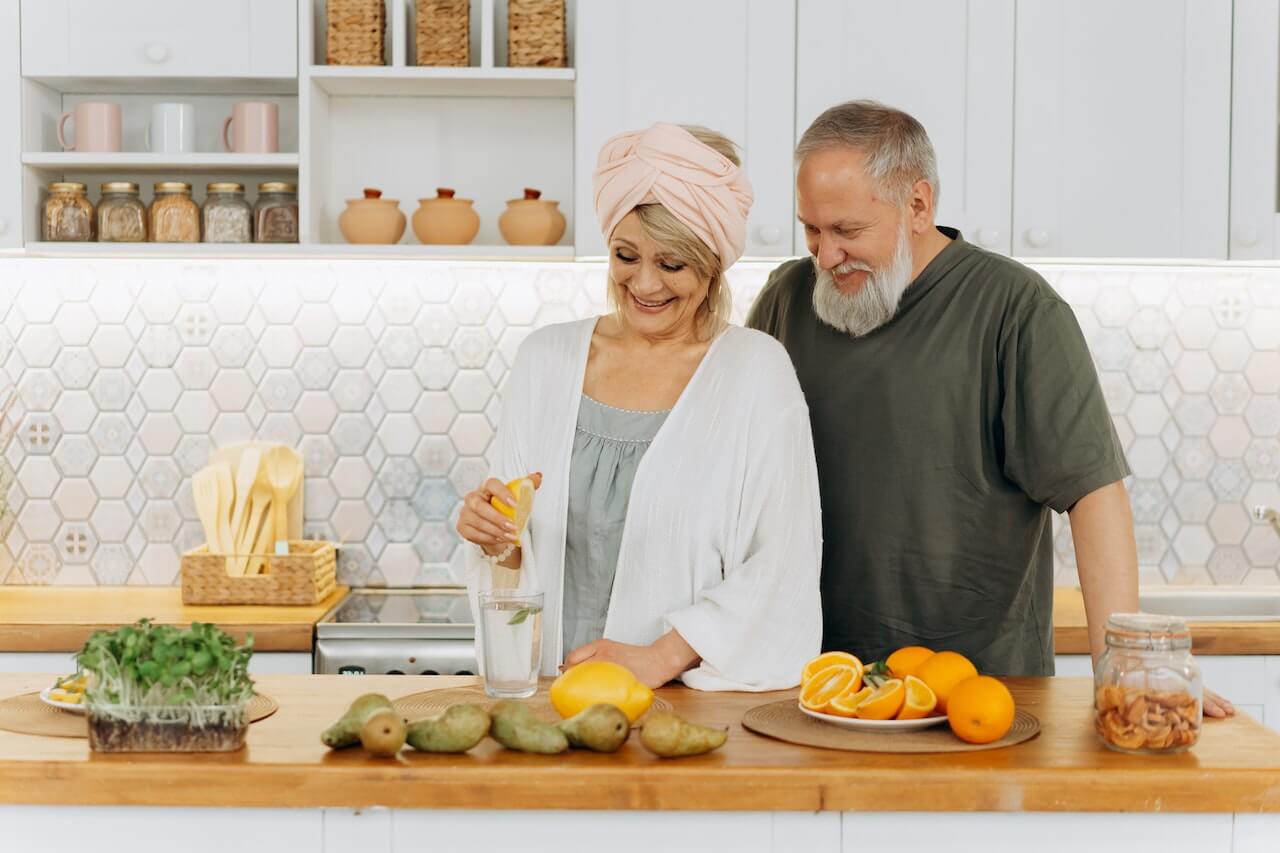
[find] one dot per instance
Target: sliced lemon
(523, 490)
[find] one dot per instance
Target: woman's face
(659, 294)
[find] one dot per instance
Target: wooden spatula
(204, 490)
(281, 465)
(246, 474)
(259, 499)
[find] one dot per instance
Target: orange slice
(920, 700)
(827, 685)
(846, 703)
(906, 660)
(884, 704)
(827, 659)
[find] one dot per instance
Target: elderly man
(954, 405)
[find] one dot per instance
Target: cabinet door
(954, 75)
(724, 64)
(1122, 128)
(159, 38)
(1255, 146)
(10, 131)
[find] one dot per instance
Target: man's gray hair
(896, 146)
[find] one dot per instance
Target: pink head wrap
(667, 165)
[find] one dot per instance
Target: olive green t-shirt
(944, 439)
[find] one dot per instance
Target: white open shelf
(147, 162)
(247, 86)
(413, 81)
(299, 250)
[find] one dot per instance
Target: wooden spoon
(226, 495)
(281, 473)
(246, 474)
(204, 490)
(259, 499)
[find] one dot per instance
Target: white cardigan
(723, 536)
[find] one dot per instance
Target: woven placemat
(785, 721)
(26, 714)
(428, 703)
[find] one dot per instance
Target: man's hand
(654, 664)
(1217, 706)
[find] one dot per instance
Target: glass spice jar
(275, 214)
(175, 217)
(122, 217)
(1148, 694)
(228, 218)
(67, 215)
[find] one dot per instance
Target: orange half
(827, 685)
(920, 700)
(827, 659)
(884, 704)
(846, 704)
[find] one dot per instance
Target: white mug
(172, 128)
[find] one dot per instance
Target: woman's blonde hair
(661, 226)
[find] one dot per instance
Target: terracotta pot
(530, 221)
(445, 220)
(372, 219)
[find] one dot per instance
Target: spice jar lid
(1148, 631)
(225, 187)
(277, 187)
(119, 187)
(67, 187)
(172, 187)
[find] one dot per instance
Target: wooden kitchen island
(1059, 791)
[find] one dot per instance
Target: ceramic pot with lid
(372, 219)
(532, 221)
(445, 220)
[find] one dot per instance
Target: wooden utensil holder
(306, 575)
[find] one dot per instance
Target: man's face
(861, 244)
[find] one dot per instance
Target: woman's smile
(651, 306)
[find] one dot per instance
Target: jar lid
(1148, 631)
(67, 187)
(172, 187)
(225, 187)
(277, 187)
(119, 187)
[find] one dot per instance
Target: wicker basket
(536, 34)
(442, 32)
(306, 575)
(356, 31)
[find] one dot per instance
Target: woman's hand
(654, 664)
(481, 524)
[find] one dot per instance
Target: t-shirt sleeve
(1060, 442)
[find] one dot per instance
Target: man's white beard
(875, 303)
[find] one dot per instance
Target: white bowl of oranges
(913, 688)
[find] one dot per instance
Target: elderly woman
(676, 529)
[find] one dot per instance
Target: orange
(847, 702)
(884, 704)
(920, 700)
(827, 685)
(827, 659)
(980, 709)
(942, 672)
(905, 661)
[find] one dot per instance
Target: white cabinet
(724, 64)
(1255, 144)
(159, 38)
(262, 663)
(11, 131)
(960, 88)
(1122, 128)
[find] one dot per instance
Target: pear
(346, 732)
(668, 736)
(383, 734)
(458, 729)
(600, 728)
(516, 727)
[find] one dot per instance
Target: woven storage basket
(306, 575)
(536, 34)
(355, 32)
(442, 32)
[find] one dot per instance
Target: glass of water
(511, 633)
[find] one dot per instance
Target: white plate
(60, 705)
(875, 725)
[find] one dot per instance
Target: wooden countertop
(60, 619)
(1234, 768)
(1071, 632)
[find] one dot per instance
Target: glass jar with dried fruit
(122, 217)
(275, 213)
(67, 213)
(1148, 694)
(175, 217)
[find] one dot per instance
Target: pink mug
(254, 128)
(97, 127)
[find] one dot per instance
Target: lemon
(600, 682)
(522, 488)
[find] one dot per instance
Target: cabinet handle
(157, 53)
(769, 234)
(1037, 238)
(1247, 235)
(988, 237)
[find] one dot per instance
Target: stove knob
(350, 670)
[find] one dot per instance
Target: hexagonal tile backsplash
(386, 376)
